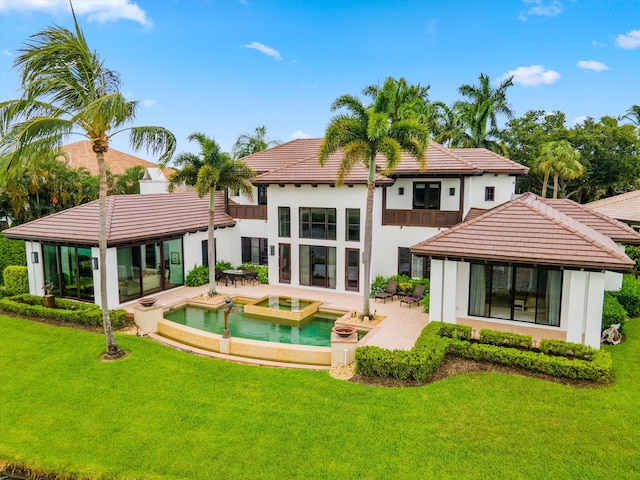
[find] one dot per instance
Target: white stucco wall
(35, 271)
(505, 187)
(405, 201)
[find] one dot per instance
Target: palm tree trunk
(544, 185)
(113, 350)
(555, 185)
(211, 249)
(368, 234)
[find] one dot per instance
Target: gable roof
(614, 229)
(80, 154)
(625, 206)
(130, 218)
(527, 230)
(297, 162)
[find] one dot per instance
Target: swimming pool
(314, 330)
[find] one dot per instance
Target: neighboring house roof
(625, 206)
(530, 231)
(80, 154)
(130, 218)
(612, 228)
(297, 162)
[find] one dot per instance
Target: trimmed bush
(261, 270)
(379, 285)
(224, 265)
(612, 312)
(451, 330)
(67, 311)
(566, 349)
(12, 252)
(16, 280)
(505, 339)
(198, 276)
(629, 295)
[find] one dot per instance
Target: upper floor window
(489, 194)
(353, 224)
(284, 221)
(426, 195)
(318, 223)
(262, 194)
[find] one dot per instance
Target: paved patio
(399, 330)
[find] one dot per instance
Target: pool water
(315, 330)
(284, 303)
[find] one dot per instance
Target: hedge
(505, 339)
(439, 339)
(612, 312)
(198, 276)
(629, 295)
(67, 311)
(12, 252)
(16, 279)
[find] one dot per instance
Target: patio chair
(415, 297)
(251, 276)
(390, 292)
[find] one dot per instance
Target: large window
(254, 250)
(353, 224)
(284, 221)
(318, 223)
(262, 194)
(523, 294)
(318, 266)
(412, 265)
(426, 195)
(69, 271)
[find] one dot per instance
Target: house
(532, 265)
(624, 207)
(308, 231)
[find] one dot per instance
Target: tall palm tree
(361, 135)
(211, 170)
(402, 100)
(560, 159)
(247, 144)
(496, 97)
(67, 90)
(633, 115)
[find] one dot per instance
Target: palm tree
(402, 100)
(247, 144)
(67, 91)
(496, 97)
(633, 115)
(560, 159)
(207, 171)
(363, 134)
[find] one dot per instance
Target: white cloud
(629, 40)
(596, 43)
(149, 103)
(541, 9)
(299, 134)
(272, 52)
(592, 65)
(100, 11)
(6, 53)
(531, 76)
(580, 119)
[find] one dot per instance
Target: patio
(399, 330)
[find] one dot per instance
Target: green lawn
(161, 413)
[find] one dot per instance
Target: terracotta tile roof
(614, 229)
(130, 218)
(80, 154)
(296, 162)
(529, 231)
(490, 162)
(625, 206)
(474, 212)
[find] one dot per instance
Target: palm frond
(156, 140)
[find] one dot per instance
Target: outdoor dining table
(236, 275)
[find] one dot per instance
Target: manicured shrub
(452, 330)
(633, 252)
(12, 252)
(198, 276)
(506, 339)
(612, 312)
(66, 311)
(629, 295)
(224, 265)
(16, 280)
(261, 270)
(566, 349)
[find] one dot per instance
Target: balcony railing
(421, 218)
(249, 212)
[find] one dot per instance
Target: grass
(161, 413)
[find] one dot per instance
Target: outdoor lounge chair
(415, 297)
(390, 292)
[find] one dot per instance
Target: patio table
(235, 275)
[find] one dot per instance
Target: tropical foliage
(67, 90)
(248, 144)
(559, 159)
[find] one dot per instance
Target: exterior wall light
(94, 262)
(34, 257)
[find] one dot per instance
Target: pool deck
(399, 330)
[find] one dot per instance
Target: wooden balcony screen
(249, 212)
(421, 218)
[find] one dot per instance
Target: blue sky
(225, 67)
